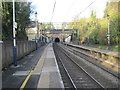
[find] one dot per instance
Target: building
(32, 31)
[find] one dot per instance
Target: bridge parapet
(60, 31)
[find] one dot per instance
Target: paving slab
(50, 75)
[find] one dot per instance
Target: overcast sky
(66, 10)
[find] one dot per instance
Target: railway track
(78, 77)
(87, 57)
(68, 83)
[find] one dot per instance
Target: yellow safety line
(26, 80)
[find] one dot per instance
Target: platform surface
(37, 70)
(48, 69)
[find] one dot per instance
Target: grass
(105, 47)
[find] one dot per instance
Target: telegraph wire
(87, 7)
(70, 8)
(53, 11)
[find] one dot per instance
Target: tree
(95, 29)
(46, 26)
(49, 26)
(112, 10)
(22, 14)
(64, 25)
(93, 15)
(7, 20)
(23, 9)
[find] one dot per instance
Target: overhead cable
(53, 10)
(87, 6)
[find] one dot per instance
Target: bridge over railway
(54, 33)
(59, 33)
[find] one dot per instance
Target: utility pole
(14, 37)
(108, 35)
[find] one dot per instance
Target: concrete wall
(23, 48)
(0, 64)
(0, 55)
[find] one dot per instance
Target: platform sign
(108, 35)
(15, 25)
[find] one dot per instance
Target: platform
(48, 70)
(37, 70)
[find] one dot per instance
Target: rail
(80, 69)
(73, 84)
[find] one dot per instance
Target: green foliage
(64, 24)
(94, 30)
(7, 20)
(22, 14)
(46, 26)
(105, 47)
(93, 14)
(112, 11)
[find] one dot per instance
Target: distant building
(31, 30)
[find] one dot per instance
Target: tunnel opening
(57, 40)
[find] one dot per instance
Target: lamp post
(41, 32)
(14, 37)
(37, 32)
(108, 34)
(88, 35)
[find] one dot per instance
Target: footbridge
(59, 33)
